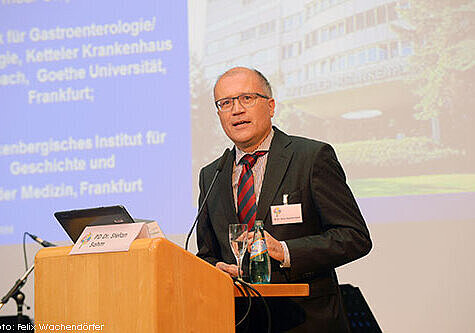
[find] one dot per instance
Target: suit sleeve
(208, 248)
(344, 236)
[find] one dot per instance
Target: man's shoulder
(304, 144)
(211, 167)
(304, 148)
(307, 142)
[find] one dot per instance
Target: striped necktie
(247, 208)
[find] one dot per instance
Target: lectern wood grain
(278, 290)
(154, 287)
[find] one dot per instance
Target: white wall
(419, 277)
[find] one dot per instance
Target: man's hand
(231, 269)
(273, 246)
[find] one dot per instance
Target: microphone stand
(220, 166)
(16, 293)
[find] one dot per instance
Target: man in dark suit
(289, 170)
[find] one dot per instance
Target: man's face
(246, 127)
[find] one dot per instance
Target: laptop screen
(75, 221)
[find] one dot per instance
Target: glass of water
(238, 242)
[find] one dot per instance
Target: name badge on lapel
(286, 214)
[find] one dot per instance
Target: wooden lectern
(154, 287)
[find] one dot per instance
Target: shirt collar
(264, 146)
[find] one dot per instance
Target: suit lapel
(226, 189)
(277, 164)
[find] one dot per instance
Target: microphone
(223, 159)
(41, 241)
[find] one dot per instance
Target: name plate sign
(109, 238)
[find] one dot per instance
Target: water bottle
(259, 264)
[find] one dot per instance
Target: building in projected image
(339, 69)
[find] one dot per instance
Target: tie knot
(251, 159)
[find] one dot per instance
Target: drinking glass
(238, 242)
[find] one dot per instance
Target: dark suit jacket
(333, 231)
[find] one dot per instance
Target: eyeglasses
(246, 100)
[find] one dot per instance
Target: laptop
(75, 221)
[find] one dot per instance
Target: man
(286, 170)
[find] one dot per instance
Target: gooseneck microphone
(40, 241)
(15, 292)
(223, 159)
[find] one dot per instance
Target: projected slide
(388, 83)
(94, 103)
